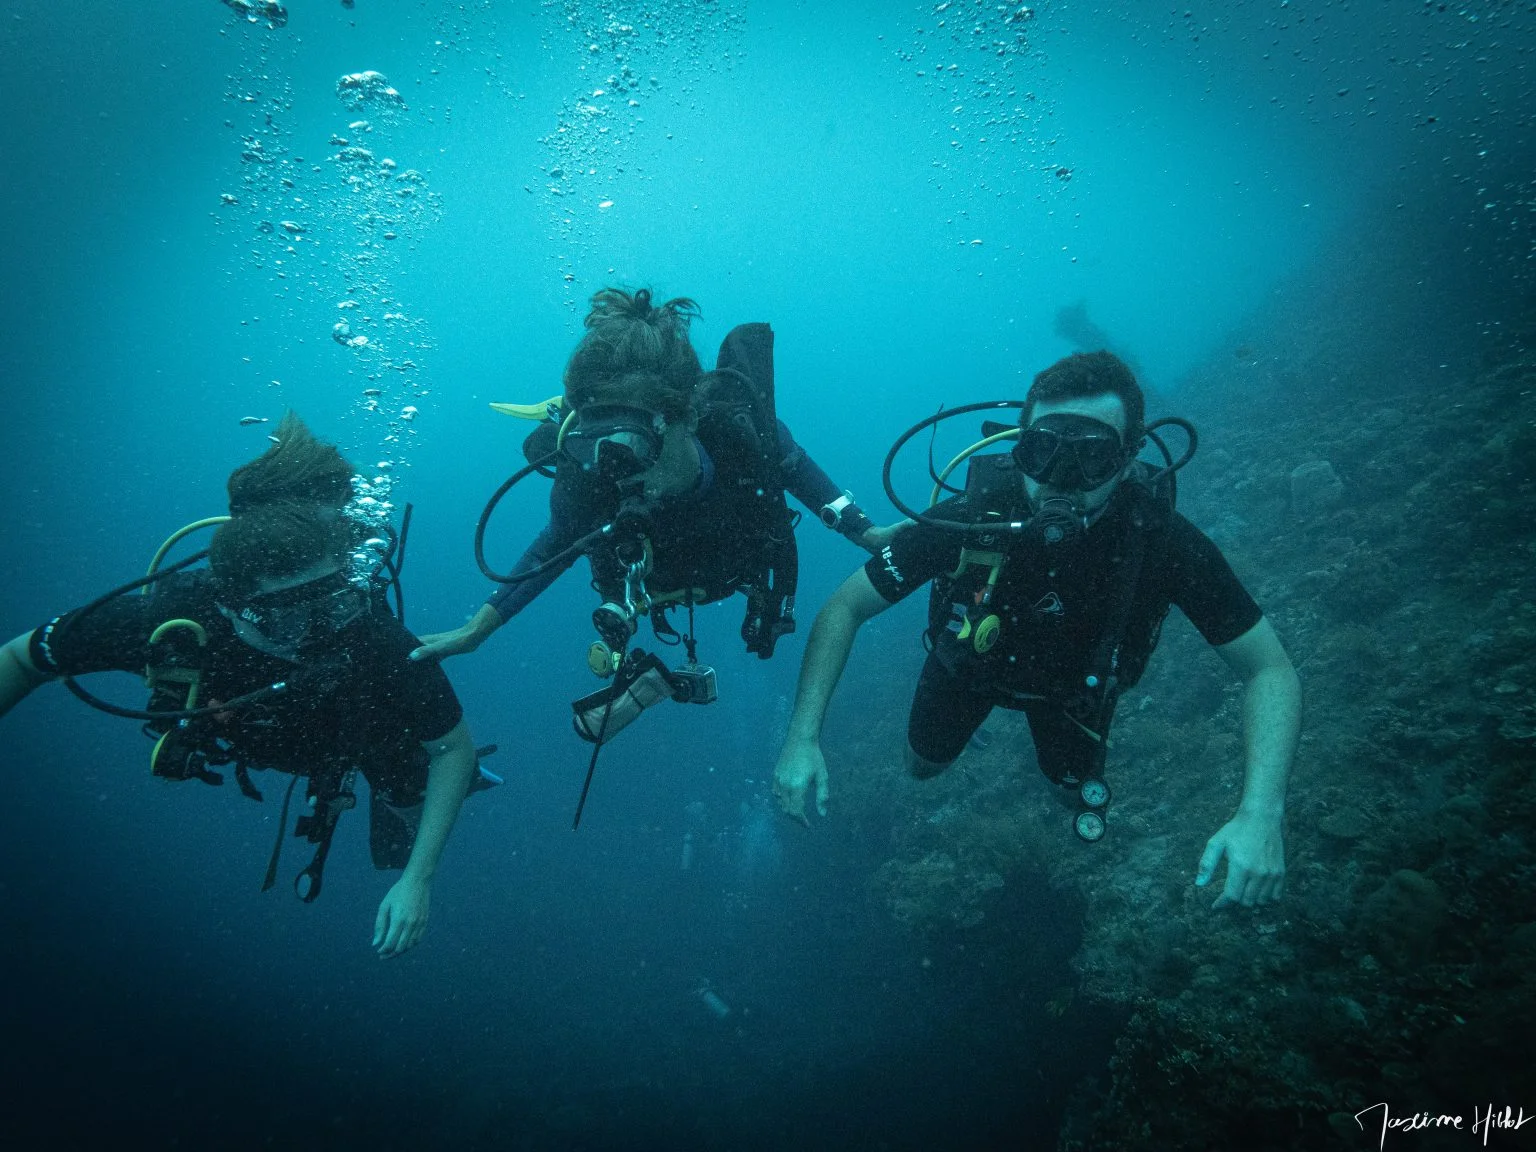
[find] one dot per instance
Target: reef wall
(1383, 512)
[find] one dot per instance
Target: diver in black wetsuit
(698, 461)
(1051, 577)
(275, 658)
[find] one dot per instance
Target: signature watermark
(1484, 1123)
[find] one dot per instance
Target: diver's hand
(799, 765)
(876, 538)
(466, 638)
(438, 645)
(402, 918)
(1255, 851)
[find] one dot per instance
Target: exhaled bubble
(626, 54)
(270, 12)
(360, 89)
(342, 240)
(973, 57)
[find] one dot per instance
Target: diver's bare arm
(1271, 718)
(826, 653)
(448, 779)
(18, 675)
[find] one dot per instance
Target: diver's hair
(275, 542)
(636, 352)
(297, 469)
(1085, 374)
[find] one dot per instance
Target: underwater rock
(1349, 1012)
(1522, 943)
(1519, 727)
(1462, 823)
(1388, 418)
(1487, 1054)
(1345, 824)
(1403, 918)
(935, 890)
(1315, 487)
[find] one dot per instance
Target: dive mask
(615, 441)
(1069, 453)
(279, 623)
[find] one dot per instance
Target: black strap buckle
(331, 797)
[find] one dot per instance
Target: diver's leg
(1067, 754)
(396, 798)
(945, 712)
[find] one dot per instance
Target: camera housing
(694, 684)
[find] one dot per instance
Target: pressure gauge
(1089, 827)
(1094, 792)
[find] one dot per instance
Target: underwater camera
(694, 684)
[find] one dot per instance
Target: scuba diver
(277, 655)
(671, 481)
(1052, 571)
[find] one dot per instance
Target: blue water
(910, 206)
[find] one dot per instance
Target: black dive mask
(282, 622)
(1069, 453)
(614, 441)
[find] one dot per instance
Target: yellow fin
(541, 411)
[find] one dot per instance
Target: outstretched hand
(1255, 853)
(439, 645)
(402, 918)
(799, 766)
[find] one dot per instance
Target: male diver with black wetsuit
(1052, 572)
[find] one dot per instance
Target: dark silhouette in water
(1074, 325)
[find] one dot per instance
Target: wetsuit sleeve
(912, 558)
(112, 638)
(1205, 588)
(803, 478)
(563, 530)
(428, 707)
(414, 696)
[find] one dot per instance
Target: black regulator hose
(234, 705)
(123, 589)
(929, 422)
(139, 713)
(1170, 465)
(559, 560)
(396, 560)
